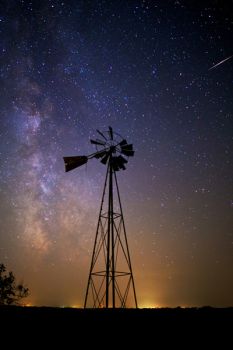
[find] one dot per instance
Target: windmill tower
(110, 282)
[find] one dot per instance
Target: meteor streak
(226, 59)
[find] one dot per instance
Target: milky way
(71, 67)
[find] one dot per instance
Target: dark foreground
(140, 326)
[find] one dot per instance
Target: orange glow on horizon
(148, 305)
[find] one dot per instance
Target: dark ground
(142, 327)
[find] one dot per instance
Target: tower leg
(95, 243)
(126, 241)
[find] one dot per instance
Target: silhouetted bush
(10, 292)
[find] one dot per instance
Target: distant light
(73, 306)
(76, 306)
(148, 305)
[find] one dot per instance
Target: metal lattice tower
(110, 282)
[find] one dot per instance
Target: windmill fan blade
(122, 160)
(118, 163)
(98, 142)
(110, 132)
(99, 154)
(101, 134)
(105, 158)
(123, 142)
(115, 166)
(127, 147)
(74, 162)
(128, 153)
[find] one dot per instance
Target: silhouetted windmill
(110, 281)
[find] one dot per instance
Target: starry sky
(68, 68)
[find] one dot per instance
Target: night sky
(71, 67)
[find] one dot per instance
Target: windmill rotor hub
(112, 149)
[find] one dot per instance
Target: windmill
(110, 281)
